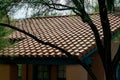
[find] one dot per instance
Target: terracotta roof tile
(68, 32)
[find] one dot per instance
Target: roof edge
(95, 49)
(38, 60)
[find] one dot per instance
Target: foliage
(32, 5)
(110, 5)
(4, 41)
(96, 9)
(4, 32)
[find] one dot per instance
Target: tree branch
(107, 38)
(58, 8)
(89, 70)
(53, 5)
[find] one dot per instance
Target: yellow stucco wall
(8, 72)
(97, 67)
(75, 72)
(4, 72)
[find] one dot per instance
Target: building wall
(27, 72)
(75, 72)
(8, 72)
(97, 67)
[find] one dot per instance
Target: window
(43, 73)
(61, 72)
(49, 72)
(19, 71)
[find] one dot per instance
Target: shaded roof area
(67, 32)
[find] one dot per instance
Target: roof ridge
(48, 17)
(55, 16)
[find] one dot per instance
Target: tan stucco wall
(75, 72)
(97, 67)
(8, 72)
(4, 72)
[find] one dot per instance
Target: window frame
(35, 72)
(63, 70)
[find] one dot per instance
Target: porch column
(27, 72)
(53, 72)
(75, 72)
(8, 72)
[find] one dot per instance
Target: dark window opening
(42, 72)
(62, 72)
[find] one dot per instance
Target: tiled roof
(68, 32)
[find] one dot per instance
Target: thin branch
(53, 5)
(48, 4)
(56, 8)
(62, 6)
(89, 70)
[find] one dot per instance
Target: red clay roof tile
(68, 32)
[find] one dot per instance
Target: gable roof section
(68, 32)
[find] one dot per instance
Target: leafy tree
(3, 33)
(4, 18)
(39, 9)
(10, 7)
(104, 48)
